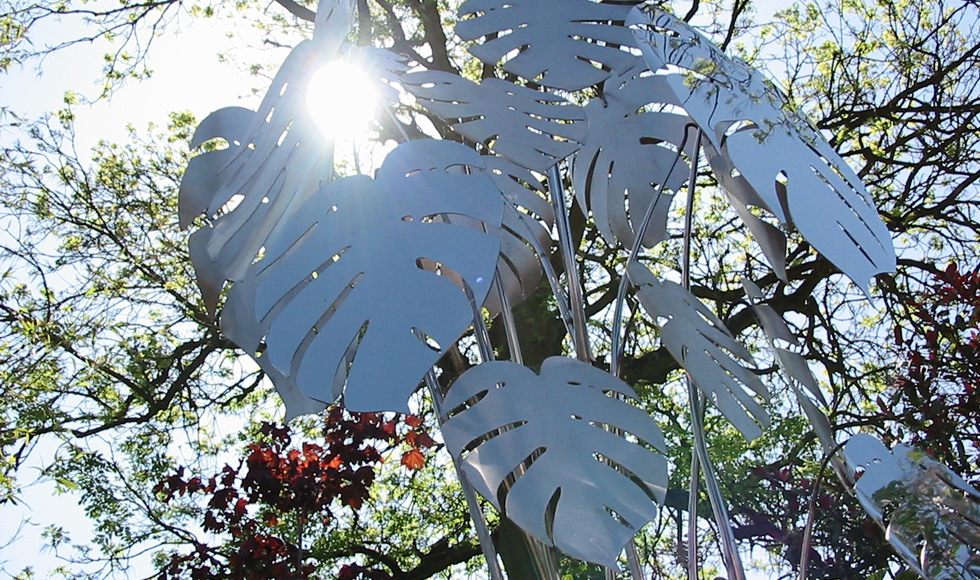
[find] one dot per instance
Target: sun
(341, 99)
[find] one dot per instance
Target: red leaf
(424, 441)
(413, 459)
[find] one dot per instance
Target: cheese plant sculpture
(357, 286)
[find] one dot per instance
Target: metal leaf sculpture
(801, 380)
(705, 349)
(340, 296)
(534, 129)
(567, 424)
(274, 161)
(356, 286)
(930, 515)
(790, 169)
(275, 157)
(382, 66)
(562, 44)
(630, 155)
(525, 237)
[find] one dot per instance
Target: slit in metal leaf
(427, 340)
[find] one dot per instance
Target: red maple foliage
(276, 480)
(935, 404)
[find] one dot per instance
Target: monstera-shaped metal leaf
(795, 367)
(562, 44)
(585, 481)
(525, 235)
(630, 155)
(931, 515)
(275, 159)
(534, 129)
(342, 301)
(704, 347)
(766, 154)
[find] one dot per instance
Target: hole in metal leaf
(427, 340)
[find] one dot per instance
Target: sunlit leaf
(631, 149)
(702, 345)
(341, 301)
(931, 515)
(534, 129)
(275, 159)
(591, 482)
(562, 44)
(767, 154)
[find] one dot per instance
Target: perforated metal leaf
(699, 341)
(628, 153)
(789, 168)
(562, 44)
(274, 160)
(931, 515)
(534, 129)
(742, 197)
(562, 422)
(340, 302)
(381, 66)
(801, 380)
(523, 238)
(526, 231)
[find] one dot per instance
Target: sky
(188, 75)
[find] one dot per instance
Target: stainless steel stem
(692, 514)
(729, 551)
(695, 480)
(476, 512)
(507, 316)
(615, 357)
(576, 303)
(539, 552)
(616, 354)
(553, 281)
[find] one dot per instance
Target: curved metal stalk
(633, 559)
(812, 510)
(476, 512)
(616, 354)
(615, 357)
(510, 325)
(549, 271)
(540, 553)
(576, 303)
(729, 551)
(692, 515)
(696, 401)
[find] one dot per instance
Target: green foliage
(109, 356)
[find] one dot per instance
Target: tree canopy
(175, 445)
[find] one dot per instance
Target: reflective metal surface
(628, 155)
(534, 129)
(557, 420)
(550, 42)
(701, 344)
(355, 287)
(795, 174)
(344, 273)
(930, 515)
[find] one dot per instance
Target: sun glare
(341, 99)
